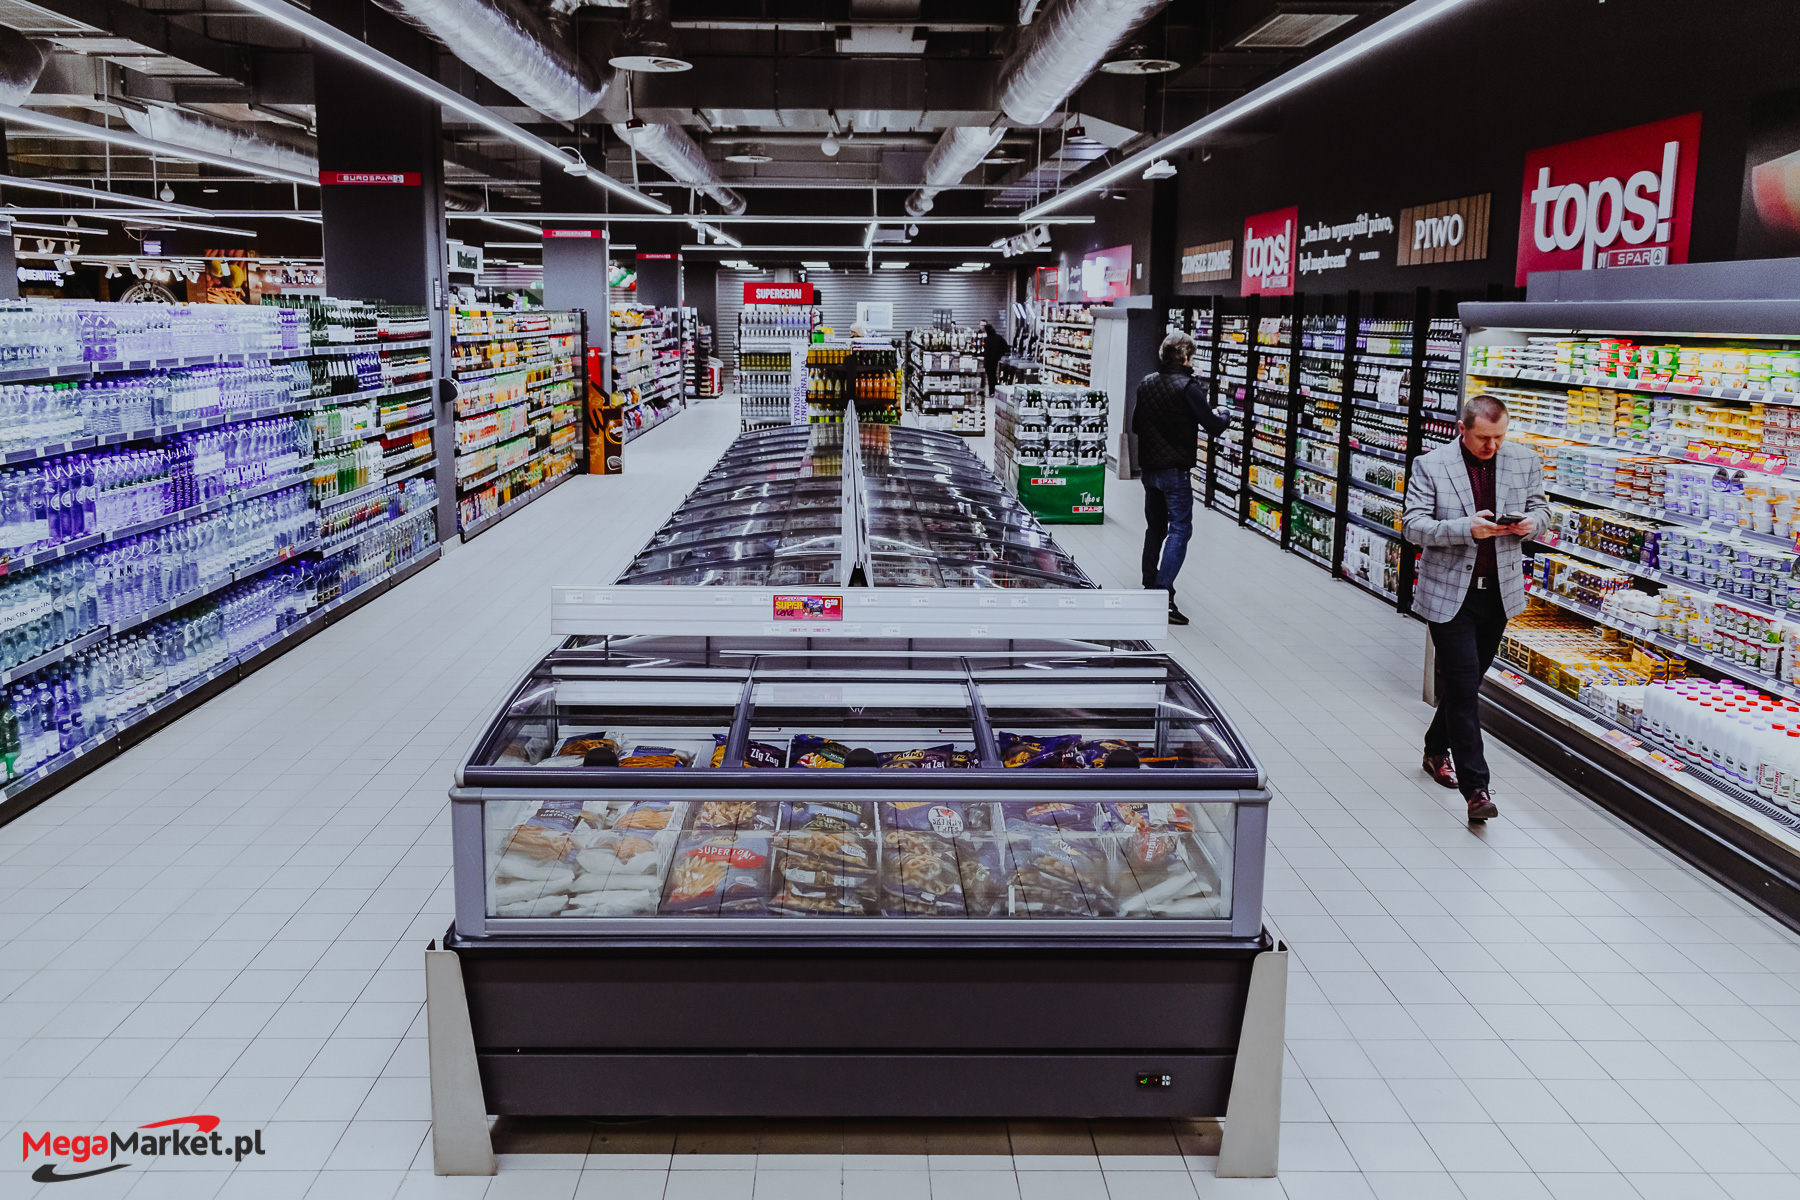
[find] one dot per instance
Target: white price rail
(863, 612)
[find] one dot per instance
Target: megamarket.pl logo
(68, 1154)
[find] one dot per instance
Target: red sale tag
(809, 608)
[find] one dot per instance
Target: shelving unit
(650, 365)
(946, 381)
(1050, 450)
(864, 373)
(766, 380)
(1066, 345)
(216, 534)
(1660, 564)
(520, 382)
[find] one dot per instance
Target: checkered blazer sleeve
(1419, 522)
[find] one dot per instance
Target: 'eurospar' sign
(369, 178)
(1269, 253)
(778, 293)
(1621, 199)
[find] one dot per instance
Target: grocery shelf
(1657, 514)
(214, 505)
(50, 658)
(1665, 449)
(1368, 587)
(1377, 489)
(1377, 451)
(1649, 386)
(367, 489)
(1272, 497)
(1380, 405)
(516, 503)
(25, 793)
(1383, 530)
(1272, 535)
(1604, 559)
(1309, 556)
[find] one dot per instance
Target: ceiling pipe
(1055, 54)
(516, 48)
(669, 147)
(297, 154)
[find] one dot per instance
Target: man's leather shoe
(1481, 805)
(1441, 770)
(1176, 616)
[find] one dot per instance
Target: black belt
(1483, 582)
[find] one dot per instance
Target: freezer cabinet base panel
(855, 1085)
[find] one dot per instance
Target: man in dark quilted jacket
(1172, 408)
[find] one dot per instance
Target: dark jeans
(1168, 525)
(1465, 645)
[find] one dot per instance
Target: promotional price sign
(777, 293)
(1621, 199)
(1269, 253)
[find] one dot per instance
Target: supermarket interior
(1410, 532)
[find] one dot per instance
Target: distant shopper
(1172, 408)
(993, 349)
(1470, 504)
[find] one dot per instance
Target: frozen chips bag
(723, 873)
(1019, 750)
(756, 754)
(919, 875)
(807, 750)
(827, 814)
(657, 756)
(925, 758)
(1057, 874)
(1083, 815)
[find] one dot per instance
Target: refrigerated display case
(861, 851)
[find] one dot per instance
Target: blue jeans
(1168, 525)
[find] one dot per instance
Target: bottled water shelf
(238, 496)
(78, 370)
(366, 489)
(22, 794)
(50, 658)
(361, 532)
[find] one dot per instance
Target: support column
(386, 241)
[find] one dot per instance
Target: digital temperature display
(1148, 1079)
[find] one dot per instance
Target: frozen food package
(652, 815)
(922, 758)
(825, 871)
(1094, 753)
(756, 754)
(1159, 869)
(1033, 750)
(543, 845)
(1083, 815)
(808, 750)
(981, 866)
(657, 756)
(945, 820)
(736, 814)
(827, 814)
(719, 873)
(1057, 873)
(920, 875)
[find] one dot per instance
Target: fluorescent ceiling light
(1390, 27)
(816, 266)
(64, 230)
(515, 226)
(1292, 30)
(149, 223)
(716, 233)
(69, 189)
(333, 38)
(869, 235)
(894, 266)
(118, 137)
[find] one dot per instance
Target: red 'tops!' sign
(370, 178)
(1269, 253)
(778, 293)
(1620, 199)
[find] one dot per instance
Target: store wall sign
(577, 233)
(1269, 253)
(1621, 199)
(1106, 274)
(39, 275)
(665, 257)
(1448, 231)
(777, 293)
(1337, 242)
(1204, 264)
(369, 178)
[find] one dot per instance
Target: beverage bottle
(1768, 766)
(1787, 780)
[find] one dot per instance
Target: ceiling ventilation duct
(669, 147)
(296, 153)
(514, 47)
(1055, 54)
(21, 62)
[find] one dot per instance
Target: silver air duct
(958, 152)
(1055, 55)
(297, 153)
(515, 48)
(21, 62)
(669, 147)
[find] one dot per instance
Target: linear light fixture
(332, 38)
(1379, 34)
(161, 223)
(869, 235)
(70, 189)
(707, 229)
(515, 226)
(851, 252)
(30, 117)
(64, 230)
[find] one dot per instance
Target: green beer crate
(1064, 495)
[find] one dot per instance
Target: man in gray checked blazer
(1470, 504)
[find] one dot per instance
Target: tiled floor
(229, 920)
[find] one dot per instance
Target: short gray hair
(1177, 349)
(1482, 407)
